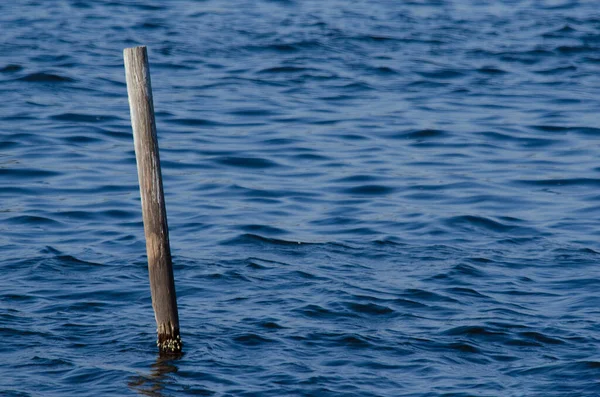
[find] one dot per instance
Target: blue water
(365, 198)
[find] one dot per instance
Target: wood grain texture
(160, 267)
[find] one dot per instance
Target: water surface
(366, 198)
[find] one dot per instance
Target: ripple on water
(45, 78)
(246, 162)
(365, 198)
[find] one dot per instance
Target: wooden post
(160, 267)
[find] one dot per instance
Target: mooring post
(160, 266)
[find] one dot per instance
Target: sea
(365, 198)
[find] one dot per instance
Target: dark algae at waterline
(365, 198)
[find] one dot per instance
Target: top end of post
(132, 50)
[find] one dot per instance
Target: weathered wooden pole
(160, 267)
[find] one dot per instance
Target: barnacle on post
(170, 345)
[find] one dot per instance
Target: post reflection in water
(154, 383)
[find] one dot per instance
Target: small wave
(420, 134)
(480, 222)
(578, 130)
(539, 337)
(347, 340)
(490, 70)
(287, 69)
(263, 229)
(286, 48)
(81, 139)
(468, 292)
(27, 173)
(252, 340)
(194, 122)
(357, 87)
(581, 369)
(246, 162)
(96, 215)
(368, 190)
(282, 141)
(150, 25)
(464, 269)
(428, 84)
(371, 309)
(357, 178)
(231, 275)
(576, 49)
(462, 347)
(376, 38)
(46, 78)
(589, 182)
(384, 71)
(33, 220)
(556, 71)
(304, 275)
(475, 331)
(428, 296)
(76, 261)
(271, 325)
(260, 194)
(11, 68)
(445, 74)
(145, 7)
(336, 220)
(353, 137)
(249, 238)
(83, 118)
(319, 312)
(6, 145)
(311, 157)
(525, 142)
(253, 112)
(283, 48)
